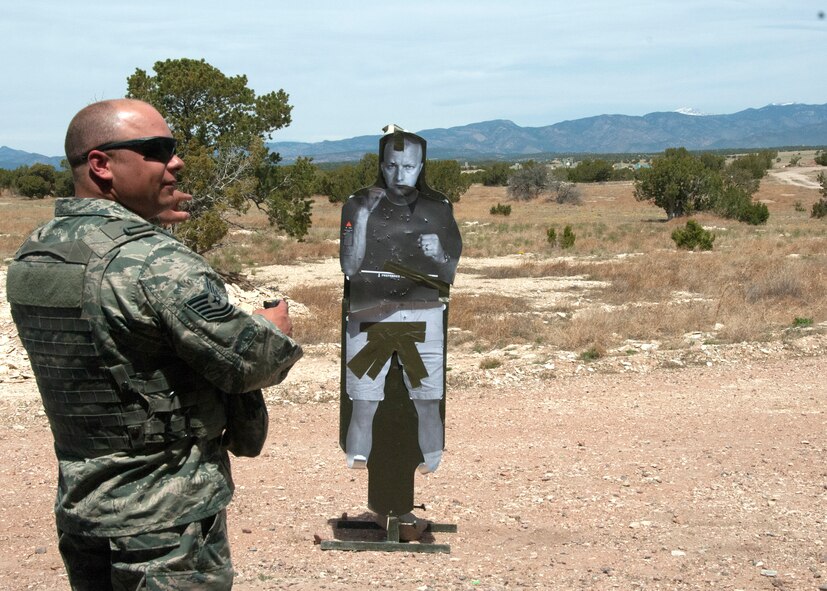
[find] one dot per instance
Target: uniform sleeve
(235, 351)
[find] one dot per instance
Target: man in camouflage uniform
(136, 350)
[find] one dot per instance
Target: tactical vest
(96, 402)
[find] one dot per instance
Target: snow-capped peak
(690, 111)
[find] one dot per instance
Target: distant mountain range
(11, 158)
(768, 127)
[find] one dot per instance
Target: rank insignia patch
(210, 304)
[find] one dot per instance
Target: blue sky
(351, 67)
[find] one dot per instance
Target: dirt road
(805, 176)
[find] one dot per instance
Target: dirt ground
(701, 468)
(697, 468)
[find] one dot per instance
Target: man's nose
(175, 163)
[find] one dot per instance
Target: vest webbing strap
(95, 401)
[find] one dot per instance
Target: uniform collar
(74, 206)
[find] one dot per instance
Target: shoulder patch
(210, 304)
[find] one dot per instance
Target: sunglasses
(160, 148)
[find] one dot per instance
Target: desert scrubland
(620, 415)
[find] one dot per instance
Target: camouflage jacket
(162, 303)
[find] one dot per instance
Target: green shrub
(551, 236)
(593, 353)
(204, 232)
(497, 175)
(820, 206)
(693, 237)
(801, 322)
(567, 193)
(591, 171)
(754, 213)
(756, 164)
(500, 209)
(528, 182)
(735, 202)
(31, 185)
(64, 184)
(568, 238)
(446, 177)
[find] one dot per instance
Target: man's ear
(100, 165)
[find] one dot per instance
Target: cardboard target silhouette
(399, 250)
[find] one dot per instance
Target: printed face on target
(402, 168)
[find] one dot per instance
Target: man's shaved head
(94, 125)
(142, 181)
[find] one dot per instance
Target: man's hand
(174, 215)
(432, 247)
(278, 315)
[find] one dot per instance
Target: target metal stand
(392, 542)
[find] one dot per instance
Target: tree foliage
(446, 177)
(6, 178)
(734, 202)
(566, 192)
(534, 179)
(496, 175)
(756, 164)
(38, 181)
(64, 183)
(200, 103)
(33, 185)
(566, 239)
(683, 184)
(820, 207)
(284, 189)
(342, 182)
(528, 182)
(712, 161)
(591, 171)
(221, 125)
(677, 182)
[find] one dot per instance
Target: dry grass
(753, 285)
(494, 320)
(491, 363)
(324, 319)
(753, 292)
(18, 217)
